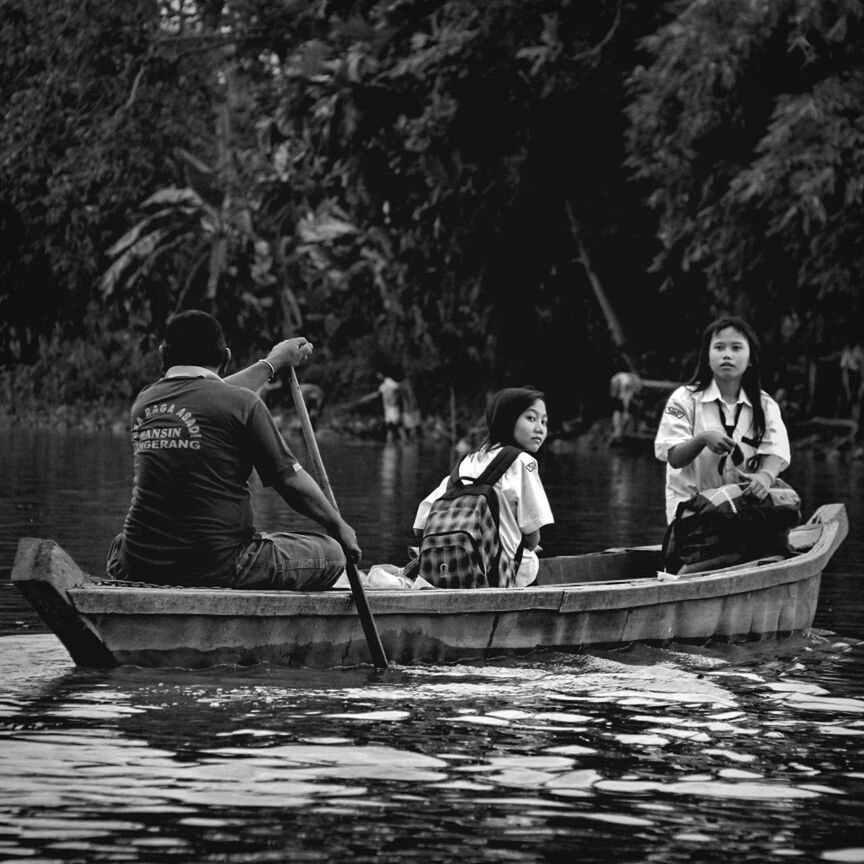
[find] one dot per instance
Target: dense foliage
(747, 126)
(442, 184)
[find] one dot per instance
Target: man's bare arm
(304, 495)
(288, 352)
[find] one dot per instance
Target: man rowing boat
(196, 438)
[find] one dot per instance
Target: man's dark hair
(193, 338)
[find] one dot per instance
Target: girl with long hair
(721, 427)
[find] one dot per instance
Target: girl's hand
(759, 483)
(532, 540)
(717, 442)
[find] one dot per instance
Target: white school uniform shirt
(522, 505)
(689, 413)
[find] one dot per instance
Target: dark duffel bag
(725, 526)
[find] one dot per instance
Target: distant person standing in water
(722, 428)
(390, 394)
(623, 388)
(391, 400)
(852, 377)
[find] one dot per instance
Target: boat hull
(610, 605)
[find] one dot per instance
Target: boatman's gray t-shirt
(195, 441)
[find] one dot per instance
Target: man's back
(195, 442)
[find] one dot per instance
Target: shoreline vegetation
(88, 386)
(478, 193)
(826, 436)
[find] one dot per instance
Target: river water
(722, 753)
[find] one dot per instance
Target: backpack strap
(453, 479)
(494, 470)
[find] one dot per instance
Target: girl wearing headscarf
(515, 416)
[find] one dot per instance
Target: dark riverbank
(829, 437)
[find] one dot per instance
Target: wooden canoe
(608, 598)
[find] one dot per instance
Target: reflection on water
(645, 754)
(744, 753)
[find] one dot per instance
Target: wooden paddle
(376, 649)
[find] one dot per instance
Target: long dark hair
(503, 410)
(752, 380)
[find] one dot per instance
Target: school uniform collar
(190, 372)
(712, 394)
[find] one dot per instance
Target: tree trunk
(452, 416)
(615, 328)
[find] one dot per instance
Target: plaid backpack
(461, 547)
